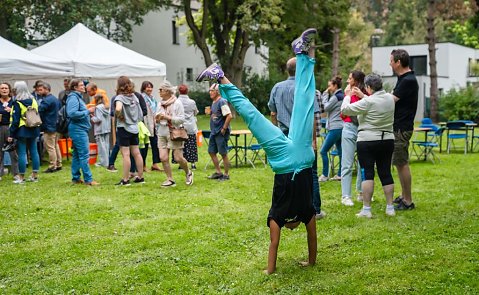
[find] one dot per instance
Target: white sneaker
(366, 214)
(390, 212)
(18, 180)
(347, 201)
(336, 178)
(320, 215)
(189, 178)
(322, 178)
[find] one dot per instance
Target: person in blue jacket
(291, 157)
(48, 110)
(26, 136)
(78, 127)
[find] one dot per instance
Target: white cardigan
(375, 115)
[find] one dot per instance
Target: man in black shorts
(406, 97)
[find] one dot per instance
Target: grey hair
(374, 81)
(167, 86)
(21, 91)
(291, 66)
(46, 86)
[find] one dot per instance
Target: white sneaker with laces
(322, 178)
(390, 212)
(366, 214)
(18, 180)
(320, 215)
(347, 201)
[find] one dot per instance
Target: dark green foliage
(202, 99)
(462, 104)
(257, 89)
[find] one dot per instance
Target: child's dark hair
(99, 99)
(337, 81)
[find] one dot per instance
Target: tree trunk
(431, 42)
(335, 64)
(199, 34)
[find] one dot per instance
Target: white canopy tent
(101, 60)
(17, 63)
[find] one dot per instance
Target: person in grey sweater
(375, 139)
(101, 129)
(128, 113)
(332, 98)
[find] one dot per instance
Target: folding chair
(256, 149)
(333, 166)
(427, 147)
(459, 130)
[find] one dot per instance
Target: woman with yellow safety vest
(26, 136)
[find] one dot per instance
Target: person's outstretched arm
(274, 234)
(312, 243)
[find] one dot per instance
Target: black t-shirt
(5, 114)
(407, 90)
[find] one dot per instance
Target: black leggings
(377, 152)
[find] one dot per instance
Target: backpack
(32, 117)
(62, 120)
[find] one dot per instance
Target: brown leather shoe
(93, 183)
(79, 181)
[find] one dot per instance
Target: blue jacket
(48, 110)
(23, 131)
(77, 112)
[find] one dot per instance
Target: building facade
(160, 37)
(454, 68)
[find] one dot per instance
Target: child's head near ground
(292, 225)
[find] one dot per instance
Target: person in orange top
(92, 90)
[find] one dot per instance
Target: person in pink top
(349, 136)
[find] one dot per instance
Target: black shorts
(126, 138)
(292, 199)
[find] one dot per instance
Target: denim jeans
(22, 145)
(332, 138)
(114, 154)
(348, 145)
(80, 155)
(316, 190)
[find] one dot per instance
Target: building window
(175, 33)
(189, 74)
(473, 67)
(419, 65)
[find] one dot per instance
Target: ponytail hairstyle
(337, 81)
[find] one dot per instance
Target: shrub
(462, 104)
(257, 89)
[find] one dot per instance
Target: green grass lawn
(212, 237)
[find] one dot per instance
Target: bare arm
(312, 243)
(228, 119)
(274, 234)
(274, 118)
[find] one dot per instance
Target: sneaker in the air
(304, 42)
(212, 73)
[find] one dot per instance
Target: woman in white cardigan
(170, 114)
(375, 143)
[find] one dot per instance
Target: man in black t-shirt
(406, 97)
